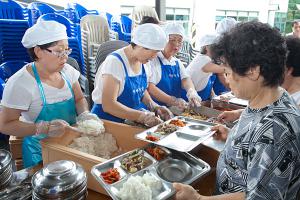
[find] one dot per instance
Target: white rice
(140, 188)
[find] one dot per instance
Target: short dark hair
(132, 44)
(293, 56)
(295, 22)
(203, 50)
(44, 46)
(252, 44)
(148, 19)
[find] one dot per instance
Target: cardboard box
(15, 146)
(19, 164)
(54, 149)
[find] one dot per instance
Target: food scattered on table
(156, 152)
(140, 187)
(135, 161)
(166, 128)
(192, 114)
(111, 175)
(152, 138)
(177, 122)
(104, 145)
(91, 127)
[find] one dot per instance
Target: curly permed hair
(252, 44)
(293, 58)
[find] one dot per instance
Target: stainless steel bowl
(174, 170)
(60, 179)
(6, 171)
(5, 159)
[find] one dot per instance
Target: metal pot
(60, 180)
(6, 171)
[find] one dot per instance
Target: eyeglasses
(173, 41)
(60, 54)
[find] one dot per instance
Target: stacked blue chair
(122, 25)
(80, 10)
(36, 9)
(74, 37)
(11, 35)
(10, 9)
(7, 69)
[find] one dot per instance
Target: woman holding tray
(261, 158)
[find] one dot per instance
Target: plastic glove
(149, 119)
(54, 128)
(163, 112)
(193, 97)
(180, 103)
(86, 115)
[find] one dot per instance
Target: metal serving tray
(176, 167)
(185, 138)
(231, 99)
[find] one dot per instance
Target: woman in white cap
(120, 84)
(201, 68)
(168, 73)
(45, 93)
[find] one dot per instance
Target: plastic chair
(122, 25)
(12, 10)
(83, 81)
(94, 31)
(107, 48)
(81, 11)
(36, 9)
(7, 69)
(140, 11)
(72, 30)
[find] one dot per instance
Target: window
(279, 21)
(181, 15)
(241, 16)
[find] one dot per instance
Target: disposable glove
(149, 119)
(163, 112)
(179, 103)
(54, 128)
(194, 98)
(86, 115)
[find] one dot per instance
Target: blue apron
(170, 82)
(218, 87)
(131, 96)
(65, 110)
(205, 93)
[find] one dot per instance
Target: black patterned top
(262, 153)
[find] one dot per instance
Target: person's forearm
(18, 128)
(187, 84)
(213, 68)
(81, 105)
(121, 111)
(231, 196)
(158, 94)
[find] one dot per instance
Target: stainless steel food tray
(185, 138)
(177, 166)
(231, 99)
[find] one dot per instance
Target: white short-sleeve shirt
(156, 68)
(21, 92)
(198, 76)
(114, 67)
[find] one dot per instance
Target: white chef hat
(174, 28)
(208, 39)
(225, 25)
(44, 32)
(150, 36)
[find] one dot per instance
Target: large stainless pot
(6, 171)
(60, 180)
